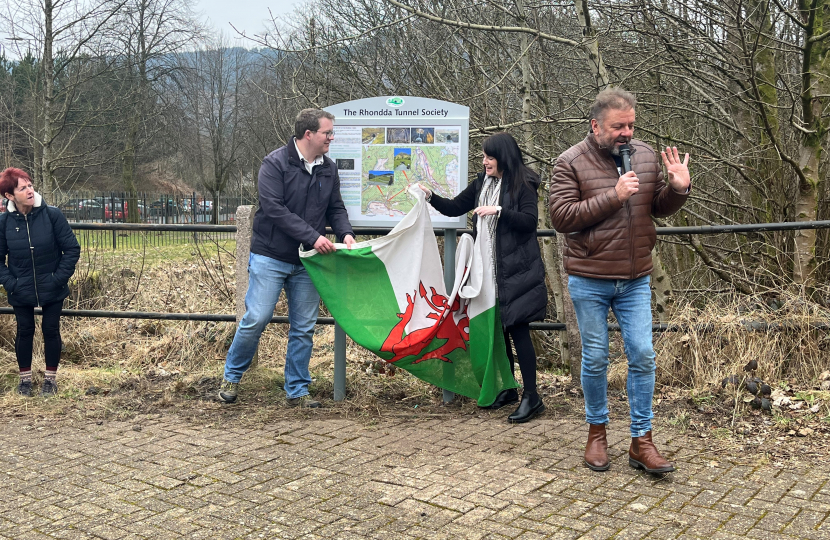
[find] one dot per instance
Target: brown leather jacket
(605, 238)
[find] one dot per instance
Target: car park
(205, 207)
(164, 208)
(90, 209)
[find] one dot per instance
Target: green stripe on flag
(489, 359)
(357, 291)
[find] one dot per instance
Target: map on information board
(377, 165)
(389, 170)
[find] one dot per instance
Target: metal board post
(450, 242)
(339, 363)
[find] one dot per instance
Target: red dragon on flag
(451, 324)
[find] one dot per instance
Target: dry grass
(131, 362)
(719, 339)
(159, 362)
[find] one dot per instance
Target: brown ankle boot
(644, 455)
(596, 449)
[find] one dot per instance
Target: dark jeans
(51, 326)
(520, 334)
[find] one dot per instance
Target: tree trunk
(661, 286)
(806, 208)
(814, 91)
(128, 170)
(591, 45)
(48, 132)
(574, 339)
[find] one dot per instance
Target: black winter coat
(39, 252)
(520, 272)
(294, 206)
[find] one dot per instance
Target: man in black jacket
(299, 191)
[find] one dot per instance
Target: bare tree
(68, 36)
(150, 33)
(213, 98)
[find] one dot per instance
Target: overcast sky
(244, 15)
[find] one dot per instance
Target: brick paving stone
(473, 477)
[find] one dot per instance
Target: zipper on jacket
(32, 252)
(627, 206)
(630, 239)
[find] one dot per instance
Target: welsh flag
(389, 296)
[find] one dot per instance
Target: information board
(385, 144)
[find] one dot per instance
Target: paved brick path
(321, 477)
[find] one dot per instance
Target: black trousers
(520, 334)
(51, 326)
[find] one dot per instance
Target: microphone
(625, 154)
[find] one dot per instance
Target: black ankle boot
(529, 408)
(505, 397)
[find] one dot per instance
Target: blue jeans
(630, 299)
(266, 278)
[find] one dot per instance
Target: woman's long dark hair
(505, 150)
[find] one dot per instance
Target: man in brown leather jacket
(605, 214)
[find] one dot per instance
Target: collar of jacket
(591, 141)
(10, 207)
(294, 157)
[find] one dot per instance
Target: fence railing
(133, 235)
(192, 232)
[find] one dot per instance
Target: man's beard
(612, 147)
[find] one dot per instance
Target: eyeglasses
(329, 134)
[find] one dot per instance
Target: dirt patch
(371, 397)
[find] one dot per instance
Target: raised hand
(425, 190)
(679, 177)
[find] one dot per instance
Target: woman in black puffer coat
(507, 192)
(39, 252)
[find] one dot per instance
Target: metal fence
(152, 208)
(111, 239)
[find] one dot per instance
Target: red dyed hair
(10, 178)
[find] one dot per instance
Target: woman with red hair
(38, 251)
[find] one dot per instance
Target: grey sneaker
(49, 388)
(228, 391)
(306, 402)
(25, 388)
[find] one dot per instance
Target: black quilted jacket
(520, 272)
(39, 252)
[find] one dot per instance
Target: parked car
(205, 207)
(89, 209)
(161, 208)
(122, 211)
(70, 208)
(116, 214)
